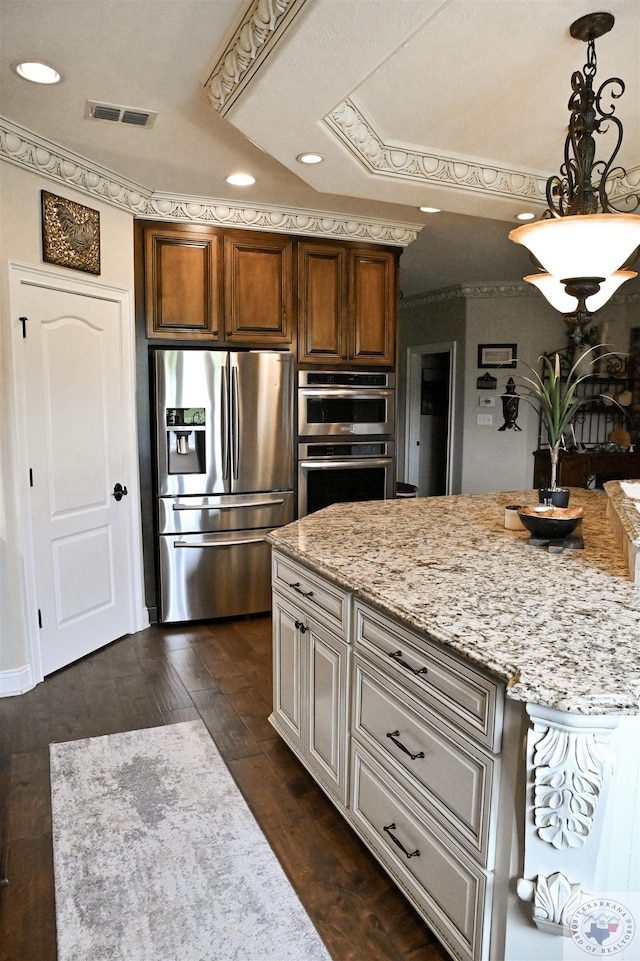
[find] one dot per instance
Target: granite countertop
(561, 630)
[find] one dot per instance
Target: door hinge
(23, 321)
(39, 618)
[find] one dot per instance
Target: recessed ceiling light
(525, 216)
(37, 72)
(241, 180)
(430, 210)
(310, 158)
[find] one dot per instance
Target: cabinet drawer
(319, 597)
(448, 774)
(448, 684)
(448, 889)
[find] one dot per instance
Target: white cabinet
(446, 887)
(425, 775)
(311, 673)
(505, 823)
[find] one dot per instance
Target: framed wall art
(70, 234)
(497, 355)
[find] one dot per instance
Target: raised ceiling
(456, 104)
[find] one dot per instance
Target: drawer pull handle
(299, 590)
(300, 626)
(410, 854)
(393, 735)
(397, 656)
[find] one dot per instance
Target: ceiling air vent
(116, 114)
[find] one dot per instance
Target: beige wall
(20, 241)
(486, 458)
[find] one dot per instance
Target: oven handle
(324, 462)
(225, 507)
(201, 544)
(359, 393)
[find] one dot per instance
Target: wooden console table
(588, 469)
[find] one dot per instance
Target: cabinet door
(372, 307)
(326, 746)
(288, 672)
(258, 287)
(322, 303)
(181, 283)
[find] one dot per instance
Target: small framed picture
(497, 355)
(70, 234)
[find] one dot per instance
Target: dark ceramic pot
(558, 497)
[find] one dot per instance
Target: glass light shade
(551, 288)
(587, 245)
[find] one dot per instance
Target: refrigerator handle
(203, 544)
(224, 406)
(235, 420)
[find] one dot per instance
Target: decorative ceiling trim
(488, 291)
(25, 149)
(262, 27)
(356, 131)
(467, 292)
(314, 222)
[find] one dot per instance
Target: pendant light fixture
(584, 244)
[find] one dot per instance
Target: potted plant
(556, 399)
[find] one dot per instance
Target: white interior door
(78, 428)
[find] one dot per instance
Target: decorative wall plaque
(70, 234)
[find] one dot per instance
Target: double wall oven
(346, 437)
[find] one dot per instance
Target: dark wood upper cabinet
(372, 307)
(346, 305)
(258, 288)
(182, 283)
(322, 303)
(335, 299)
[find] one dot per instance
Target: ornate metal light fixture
(583, 243)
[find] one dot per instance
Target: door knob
(119, 492)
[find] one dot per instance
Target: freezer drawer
(214, 575)
(224, 512)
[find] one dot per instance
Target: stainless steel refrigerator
(224, 443)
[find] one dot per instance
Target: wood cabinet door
(258, 285)
(327, 736)
(288, 672)
(322, 303)
(372, 307)
(181, 279)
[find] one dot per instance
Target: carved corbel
(554, 899)
(569, 757)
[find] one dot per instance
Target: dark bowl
(552, 526)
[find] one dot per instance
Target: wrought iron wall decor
(609, 391)
(70, 234)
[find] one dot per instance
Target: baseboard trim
(18, 681)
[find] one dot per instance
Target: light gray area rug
(157, 856)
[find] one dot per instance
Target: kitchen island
(418, 645)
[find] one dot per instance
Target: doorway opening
(429, 418)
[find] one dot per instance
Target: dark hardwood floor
(221, 672)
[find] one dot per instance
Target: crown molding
(467, 292)
(25, 149)
(489, 291)
(357, 133)
(262, 26)
(316, 223)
